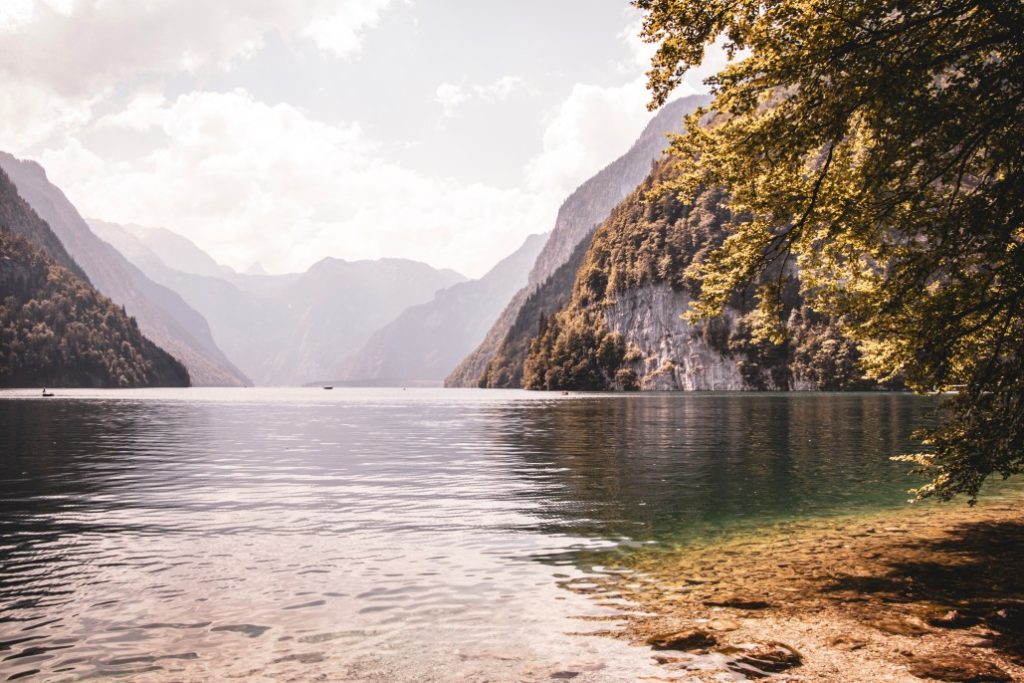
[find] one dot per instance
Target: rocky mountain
(55, 328)
(425, 342)
(622, 326)
(283, 329)
(162, 315)
(581, 212)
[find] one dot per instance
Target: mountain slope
(581, 212)
(338, 304)
(162, 315)
(622, 327)
(138, 242)
(505, 368)
(55, 328)
(424, 342)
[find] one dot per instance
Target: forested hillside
(161, 313)
(622, 327)
(55, 328)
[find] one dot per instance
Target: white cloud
(595, 124)
(254, 182)
(452, 96)
(588, 130)
(341, 33)
(30, 115)
(81, 46)
(500, 90)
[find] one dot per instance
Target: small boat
(328, 387)
(46, 394)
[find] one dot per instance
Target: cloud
(451, 96)
(83, 46)
(250, 182)
(585, 132)
(30, 115)
(341, 33)
(594, 124)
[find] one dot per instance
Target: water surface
(385, 534)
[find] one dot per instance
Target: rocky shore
(930, 592)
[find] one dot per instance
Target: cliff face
(581, 212)
(55, 328)
(670, 355)
(162, 315)
(622, 327)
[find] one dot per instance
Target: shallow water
(381, 534)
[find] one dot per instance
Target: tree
(878, 147)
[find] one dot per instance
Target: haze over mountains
(426, 341)
(283, 329)
(383, 322)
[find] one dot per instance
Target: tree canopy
(875, 146)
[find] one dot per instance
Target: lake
(389, 535)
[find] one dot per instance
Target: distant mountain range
(283, 329)
(425, 342)
(55, 328)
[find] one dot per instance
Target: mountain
(283, 329)
(138, 242)
(55, 328)
(426, 341)
(337, 305)
(162, 315)
(505, 368)
(622, 326)
(581, 212)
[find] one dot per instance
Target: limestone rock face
(673, 355)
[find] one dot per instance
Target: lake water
(388, 535)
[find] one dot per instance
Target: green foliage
(876, 144)
(56, 330)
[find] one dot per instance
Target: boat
(328, 387)
(46, 394)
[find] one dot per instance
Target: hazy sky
(282, 132)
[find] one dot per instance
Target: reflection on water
(385, 534)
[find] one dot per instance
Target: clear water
(388, 535)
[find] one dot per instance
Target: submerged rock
(954, 619)
(690, 639)
(898, 626)
(738, 603)
(846, 643)
(766, 658)
(959, 670)
(721, 624)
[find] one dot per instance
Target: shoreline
(934, 592)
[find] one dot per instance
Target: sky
(445, 131)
